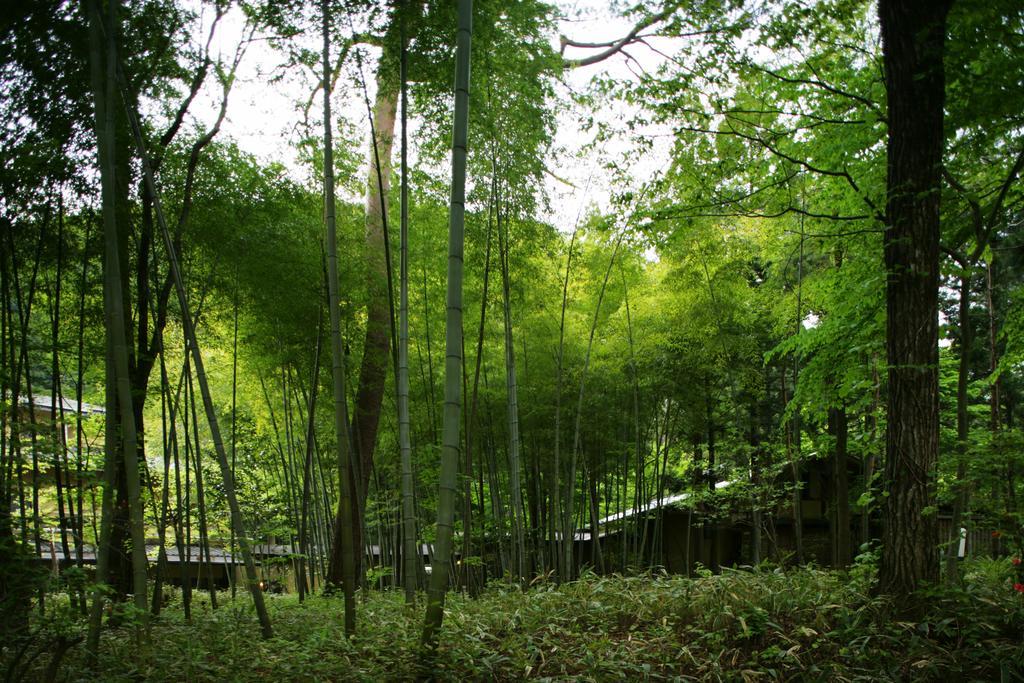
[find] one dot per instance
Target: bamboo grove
(791, 326)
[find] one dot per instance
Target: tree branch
(983, 228)
(844, 174)
(193, 161)
(778, 214)
(613, 47)
(343, 51)
(1011, 177)
(873, 106)
(194, 87)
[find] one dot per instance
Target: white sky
(262, 116)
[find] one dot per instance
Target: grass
(761, 625)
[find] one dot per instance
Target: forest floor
(766, 624)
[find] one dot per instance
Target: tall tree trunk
(796, 427)
(58, 418)
(404, 441)
(453, 337)
(756, 459)
(20, 363)
(15, 598)
(661, 448)
(103, 83)
(186, 431)
(472, 421)
(343, 555)
(373, 369)
(913, 40)
(512, 403)
(995, 397)
(564, 547)
(961, 486)
(429, 388)
(181, 525)
(307, 467)
(79, 391)
(234, 427)
(165, 499)
(993, 354)
(635, 381)
(494, 486)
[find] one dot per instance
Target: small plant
(864, 570)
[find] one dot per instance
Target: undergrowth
(764, 624)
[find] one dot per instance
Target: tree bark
(373, 369)
(913, 38)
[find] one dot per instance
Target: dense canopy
(522, 300)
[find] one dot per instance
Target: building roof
(44, 402)
(192, 553)
(666, 501)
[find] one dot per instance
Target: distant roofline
(654, 504)
(42, 400)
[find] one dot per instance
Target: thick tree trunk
(377, 345)
(913, 38)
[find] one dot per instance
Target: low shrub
(765, 623)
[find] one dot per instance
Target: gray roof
(44, 402)
(217, 555)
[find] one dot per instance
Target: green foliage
(806, 624)
(20, 580)
(746, 302)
